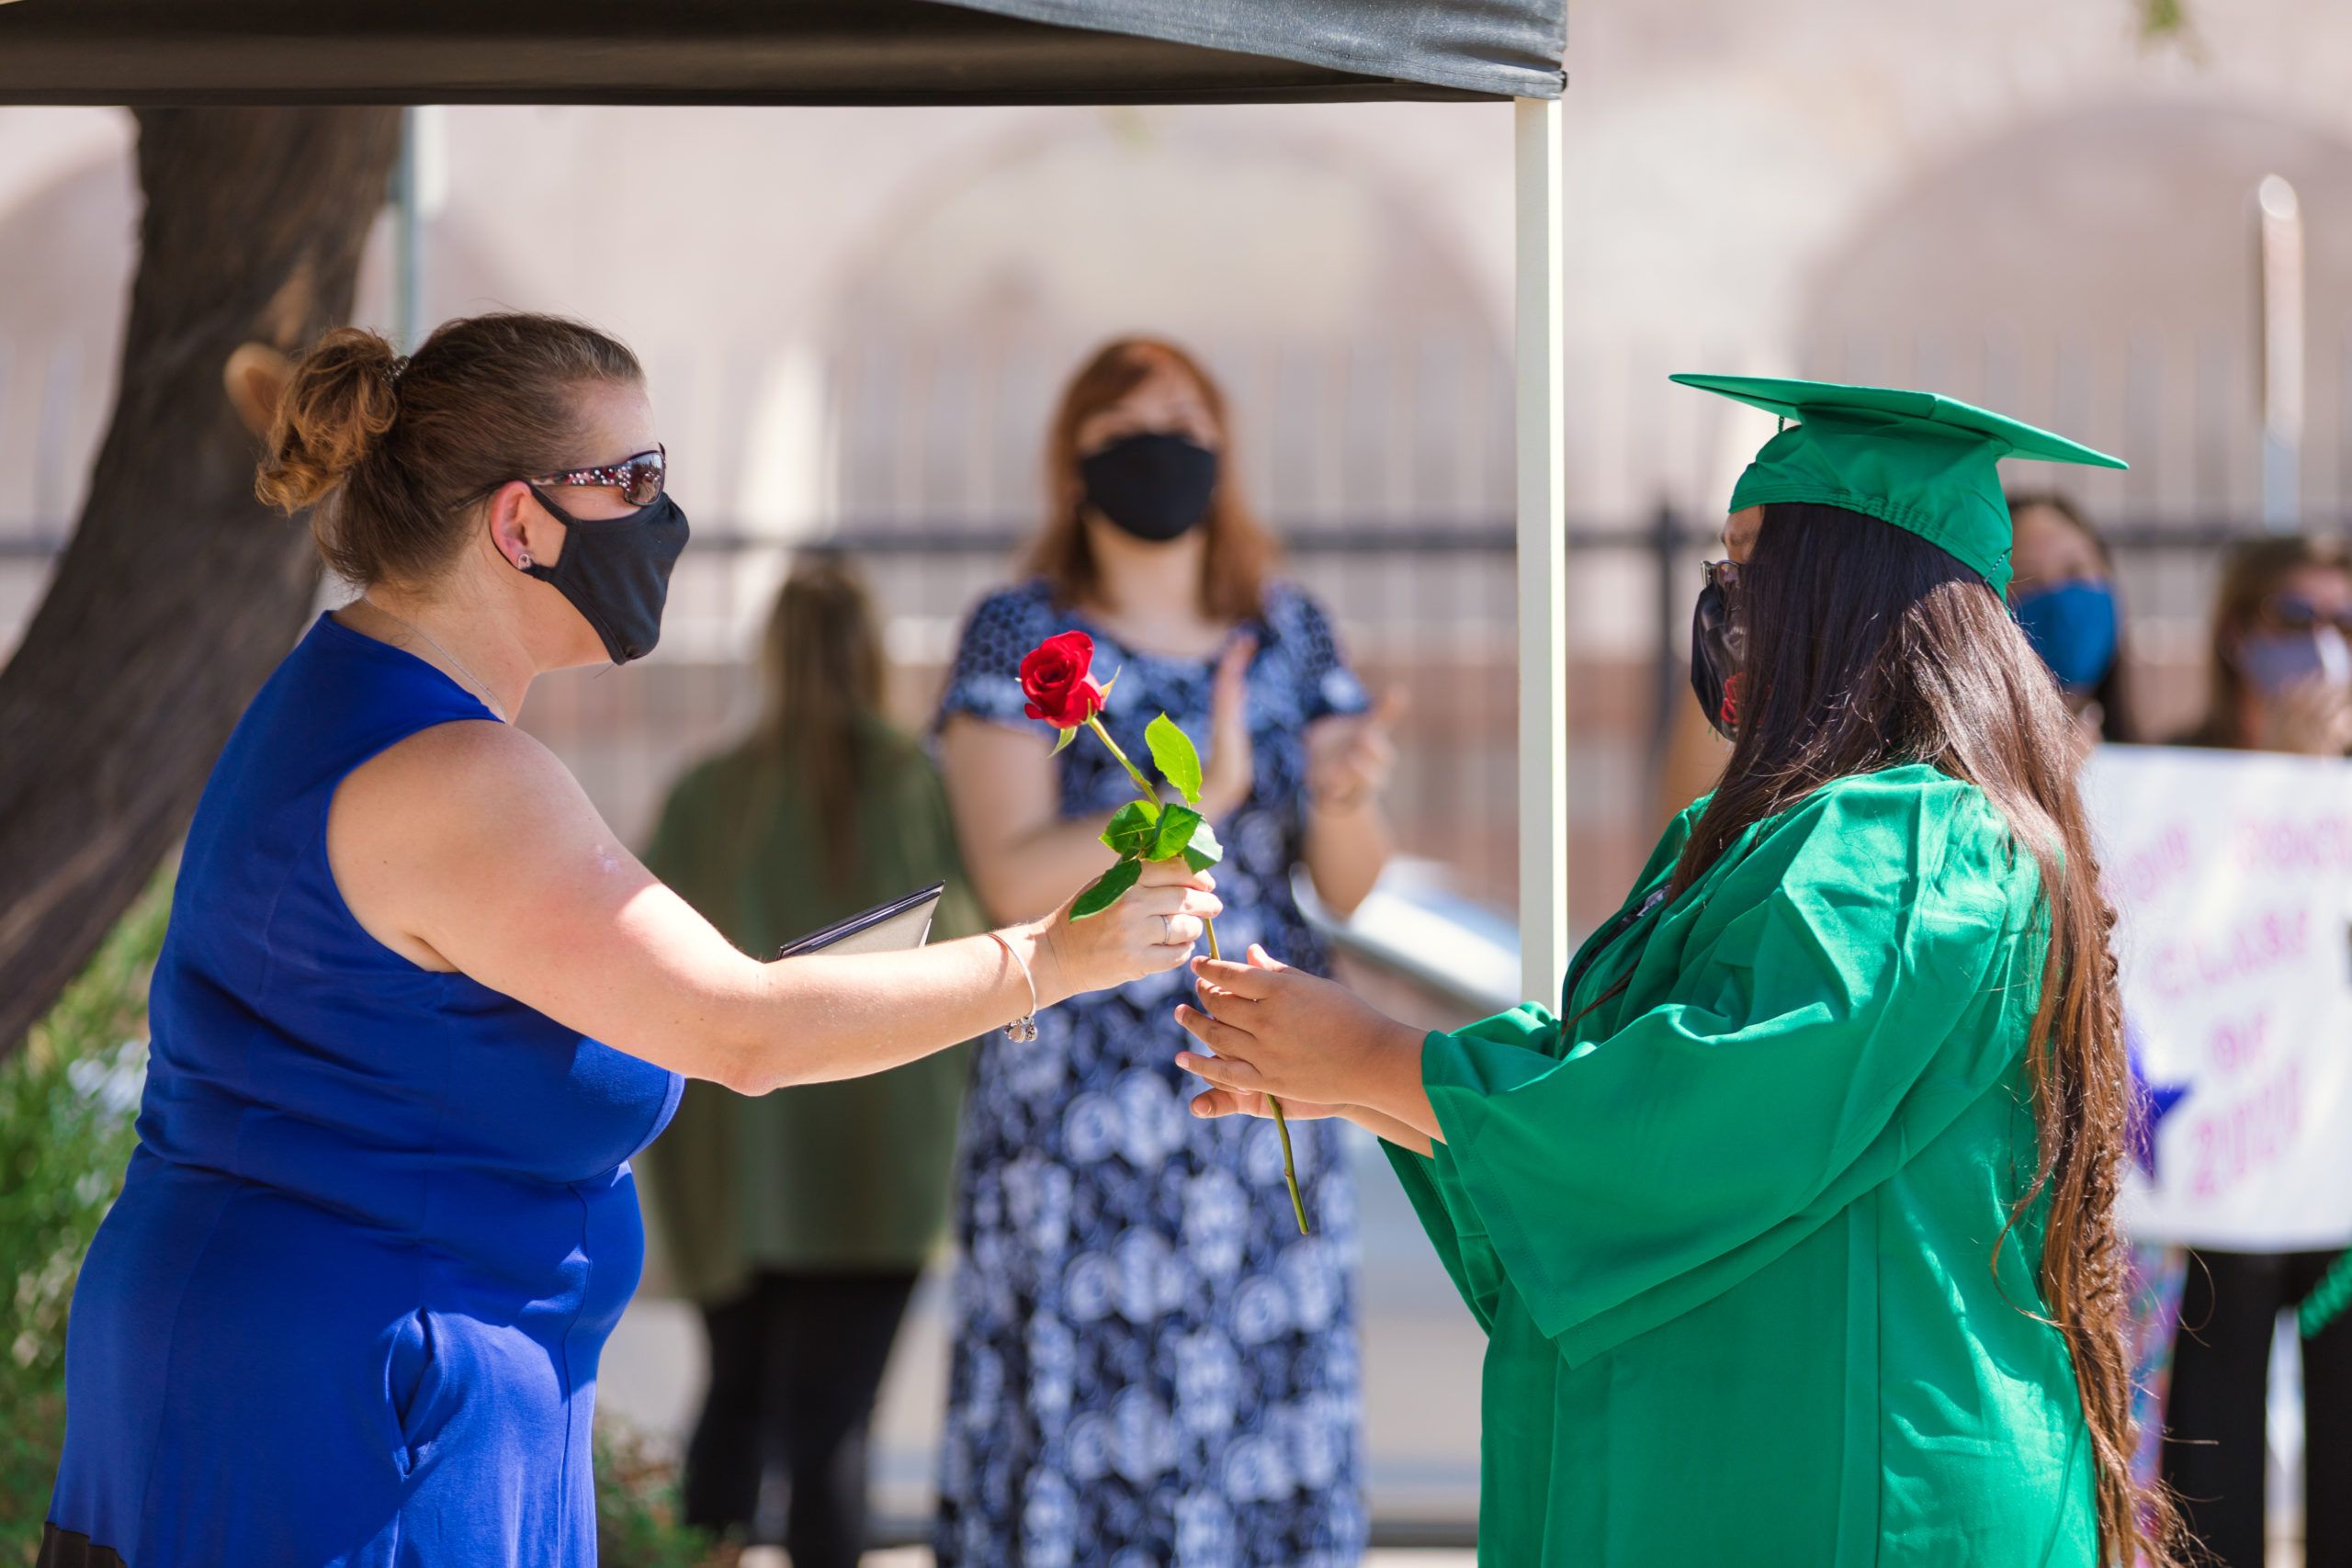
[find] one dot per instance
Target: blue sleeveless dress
(381, 1219)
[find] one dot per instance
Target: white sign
(2232, 872)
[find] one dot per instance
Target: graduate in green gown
(1793, 1231)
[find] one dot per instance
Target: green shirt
(846, 1175)
(1731, 1230)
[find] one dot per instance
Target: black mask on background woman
(1718, 649)
(1156, 485)
(615, 571)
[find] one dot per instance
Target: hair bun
(338, 405)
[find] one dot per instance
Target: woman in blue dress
(418, 1006)
(1151, 1366)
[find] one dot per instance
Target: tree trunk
(179, 591)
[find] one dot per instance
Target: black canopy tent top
(155, 53)
(777, 51)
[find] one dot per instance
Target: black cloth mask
(1718, 648)
(1155, 486)
(616, 571)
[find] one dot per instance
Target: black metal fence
(1427, 606)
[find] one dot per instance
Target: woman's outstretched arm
(470, 847)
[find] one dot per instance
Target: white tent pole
(1543, 554)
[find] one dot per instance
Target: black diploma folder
(903, 922)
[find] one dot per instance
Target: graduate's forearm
(1391, 1083)
(1390, 1129)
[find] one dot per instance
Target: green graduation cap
(1926, 464)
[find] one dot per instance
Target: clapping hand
(1350, 757)
(1231, 766)
(2313, 718)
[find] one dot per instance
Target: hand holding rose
(1149, 932)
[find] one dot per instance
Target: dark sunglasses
(1723, 574)
(2293, 613)
(639, 479)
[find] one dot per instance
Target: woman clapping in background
(1151, 1365)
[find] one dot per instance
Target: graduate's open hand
(1278, 1030)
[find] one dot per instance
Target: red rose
(1055, 678)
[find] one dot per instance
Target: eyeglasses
(639, 479)
(2293, 613)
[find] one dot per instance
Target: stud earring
(523, 561)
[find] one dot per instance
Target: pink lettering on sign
(2138, 876)
(2233, 1141)
(2238, 1044)
(2286, 846)
(2262, 941)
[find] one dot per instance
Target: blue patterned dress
(1150, 1365)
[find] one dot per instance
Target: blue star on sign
(2151, 1103)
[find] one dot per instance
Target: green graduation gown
(1731, 1232)
(846, 1176)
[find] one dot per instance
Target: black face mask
(1155, 486)
(616, 571)
(1718, 649)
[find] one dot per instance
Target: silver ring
(1167, 931)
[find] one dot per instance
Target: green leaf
(1177, 826)
(1179, 764)
(1203, 850)
(1131, 828)
(1107, 890)
(1067, 737)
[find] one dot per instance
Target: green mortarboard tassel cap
(1927, 465)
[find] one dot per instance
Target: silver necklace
(482, 688)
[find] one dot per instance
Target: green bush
(67, 1103)
(68, 1100)
(637, 1507)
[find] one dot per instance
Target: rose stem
(1282, 1123)
(1142, 782)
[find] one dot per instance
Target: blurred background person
(800, 1221)
(1150, 1364)
(2282, 656)
(2281, 681)
(2063, 595)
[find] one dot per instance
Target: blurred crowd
(2279, 679)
